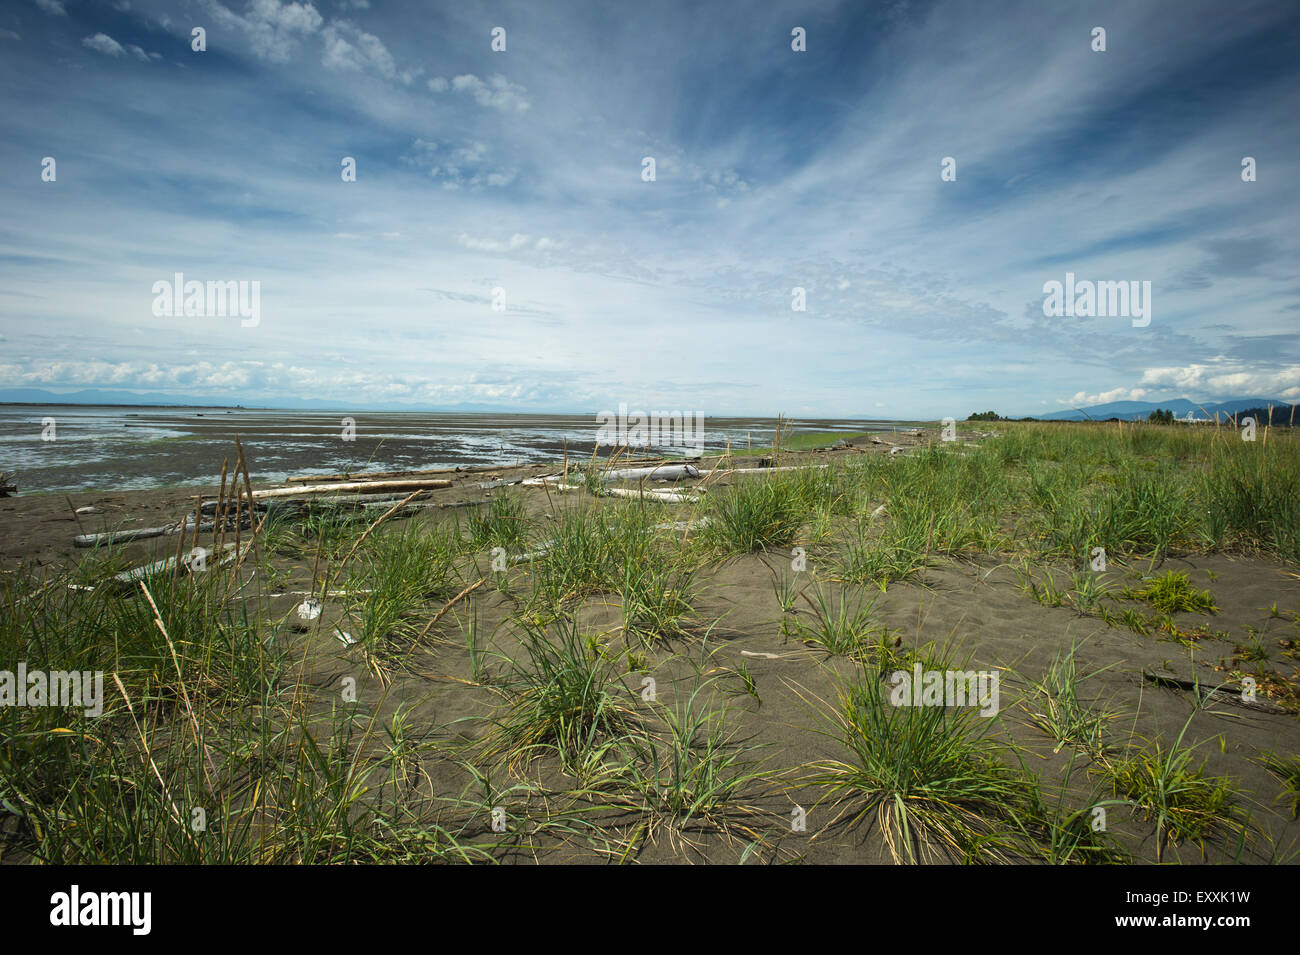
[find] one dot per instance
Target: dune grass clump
(1172, 592)
(589, 549)
(1079, 836)
(1054, 706)
(887, 546)
(563, 698)
(576, 560)
(657, 597)
(208, 646)
(1163, 783)
(1287, 771)
(502, 523)
(847, 626)
(756, 514)
(936, 504)
(693, 776)
(929, 778)
(1147, 491)
(878, 561)
(392, 577)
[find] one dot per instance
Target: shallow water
(97, 447)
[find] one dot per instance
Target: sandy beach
(742, 652)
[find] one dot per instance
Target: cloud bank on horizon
(515, 178)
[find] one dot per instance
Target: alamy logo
(921, 687)
(195, 299)
(73, 688)
(103, 908)
(1087, 299)
(656, 429)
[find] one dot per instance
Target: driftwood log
(1225, 694)
(356, 487)
(383, 475)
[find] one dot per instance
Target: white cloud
(240, 378)
(352, 49)
(1105, 397)
(462, 166)
(103, 43)
(1220, 377)
(53, 7)
(497, 92)
(273, 28)
(516, 241)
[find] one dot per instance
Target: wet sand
(134, 448)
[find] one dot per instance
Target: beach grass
(218, 742)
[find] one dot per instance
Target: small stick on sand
(75, 516)
(451, 603)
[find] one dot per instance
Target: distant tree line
(1282, 416)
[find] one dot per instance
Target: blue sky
(522, 170)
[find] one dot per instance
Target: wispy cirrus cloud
(103, 43)
(496, 91)
(274, 30)
(775, 170)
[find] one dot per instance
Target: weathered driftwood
(1226, 694)
(432, 504)
(492, 485)
(647, 494)
(662, 472)
(138, 533)
(792, 467)
(209, 508)
(667, 472)
(159, 566)
(361, 500)
(651, 494)
(383, 475)
(145, 533)
(359, 487)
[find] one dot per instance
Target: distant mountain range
(1127, 410)
(1139, 410)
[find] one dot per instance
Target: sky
(523, 171)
